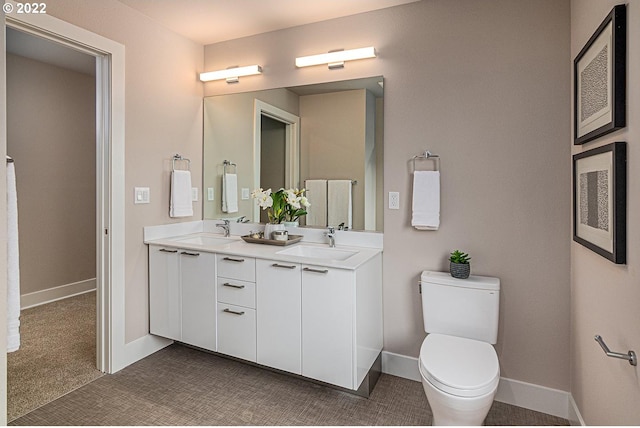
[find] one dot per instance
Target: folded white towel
(426, 200)
(317, 197)
(339, 203)
(13, 263)
(229, 193)
(181, 205)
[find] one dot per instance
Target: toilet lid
(459, 366)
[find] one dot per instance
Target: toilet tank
(461, 307)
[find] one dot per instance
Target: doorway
(51, 138)
(112, 351)
(281, 133)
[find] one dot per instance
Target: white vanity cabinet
(182, 295)
(236, 306)
(279, 315)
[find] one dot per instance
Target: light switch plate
(394, 200)
(141, 195)
(210, 193)
(245, 193)
(194, 194)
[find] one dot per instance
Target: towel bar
(630, 356)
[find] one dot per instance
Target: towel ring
(427, 155)
(178, 157)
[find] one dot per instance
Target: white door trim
(110, 133)
(292, 148)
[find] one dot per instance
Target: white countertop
(237, 247)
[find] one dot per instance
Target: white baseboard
(49, 295)
(575, 418)
(530, 396)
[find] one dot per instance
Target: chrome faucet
(331, 235)
(225, 226)
(242, 219)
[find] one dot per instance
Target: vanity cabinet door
(198, 281)
(328, 299)
(237, 331)
(279, 323)
(165, 311)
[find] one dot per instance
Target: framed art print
(600, 200)
(599, 73)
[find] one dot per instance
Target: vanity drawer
(236, 267)
(237, 331)
(236, 292)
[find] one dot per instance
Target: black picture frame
(600, 80)
(600, 201)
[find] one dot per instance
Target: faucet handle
(332, 230)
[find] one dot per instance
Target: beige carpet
(182, 386)
(57, 353)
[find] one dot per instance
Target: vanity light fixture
(336, 59)
(231, 74)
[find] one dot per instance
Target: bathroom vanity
(304, 309)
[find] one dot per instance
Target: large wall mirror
(297, 137)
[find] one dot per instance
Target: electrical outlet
(194, 194)
(394, 200)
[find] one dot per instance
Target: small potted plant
(459, 264)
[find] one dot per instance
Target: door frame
(110, 143)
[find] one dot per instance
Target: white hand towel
(426, 200)
(229, 193)
(181, 205)
(339, 203)
(13, 263)
(317, 197)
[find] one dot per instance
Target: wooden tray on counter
(292, 240)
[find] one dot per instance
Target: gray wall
(485, 84)
(52, 139)
(604, 296)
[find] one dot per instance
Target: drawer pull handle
(316, 270)
(186, 253)
(231, 259)
(283, 266)
(164, 250)
(229, 311)
(226, 284)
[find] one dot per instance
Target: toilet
(458, 364)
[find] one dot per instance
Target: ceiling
(213, 21)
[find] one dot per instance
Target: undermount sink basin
(318, 253)
(204, 240)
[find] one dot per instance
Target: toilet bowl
(460, 378)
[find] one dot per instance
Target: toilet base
(449, 409)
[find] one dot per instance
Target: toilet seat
(459, 366)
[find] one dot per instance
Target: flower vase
(269, 228)
(291, 223)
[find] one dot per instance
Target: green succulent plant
(459, 257)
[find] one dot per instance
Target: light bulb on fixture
(231, 74)
(336, 59)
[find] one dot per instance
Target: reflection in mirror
(327, 137)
